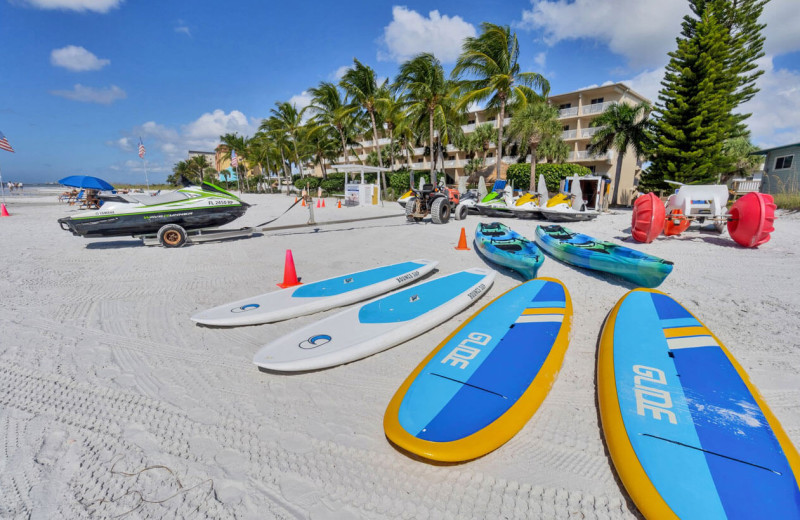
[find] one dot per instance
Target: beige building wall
(576, 112)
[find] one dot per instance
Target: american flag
(234, 159)
(141, 149)
(4, 145)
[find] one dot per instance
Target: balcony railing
(569, 134)
(568, 112)
(589, 132)
(595, 108)
(584, 155)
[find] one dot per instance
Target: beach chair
(91, 201)
(78, 198)
(741, 187)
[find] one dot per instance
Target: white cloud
(182, 28)
(540, 59)
(208, 127)
(76, 59)
(123, 143)
(647, 83)
(776, 107)
(301, 100)
(641, 30)
(339, 73)
(103, 96)
(782, 18)
(409, 33)
(98, 6)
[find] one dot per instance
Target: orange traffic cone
(304, 202)
(323, 203)
(340, 204)
(3, 211)
(318, 206)
(462, 241)
(295, 200)
(289, 274)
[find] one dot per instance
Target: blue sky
(82, 80)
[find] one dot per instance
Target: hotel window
(471, 122)
(565, 128)
(564, 105)
(490, 155)
(596, 101)
(783, 163)
(592, 169)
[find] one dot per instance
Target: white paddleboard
(375, 325)
(317, 296)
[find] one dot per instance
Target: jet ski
(497, 203)
(188, 208)
(529, 205)
(568, 207)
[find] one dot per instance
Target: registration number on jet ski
(220, 202)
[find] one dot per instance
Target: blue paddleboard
(688, 433)
(480, 386)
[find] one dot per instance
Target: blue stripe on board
(335, 286)
(546, 304)
(730, 423)
(399, 306)
(504, 376)
(550, 292)
(653, 407)
(461, 357)
(667, 308)
(680, 322)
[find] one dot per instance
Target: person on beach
(10, 186)
(19, 186)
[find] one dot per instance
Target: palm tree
(198, 163)
(393, 113)
(290, 121)
(361, 84)
(622, 126)
(239, 144)
(553, 149)
(479, 140)
(273, 129)
(538, 120)
(491, 60)
(331, 109)
(430, 96)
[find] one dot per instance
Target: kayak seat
(508, 247)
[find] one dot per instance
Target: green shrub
(788, 201)
(308, 183)
(520, 174)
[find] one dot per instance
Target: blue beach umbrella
(86, 181)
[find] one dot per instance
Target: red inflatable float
(751, 219)
(648, 218)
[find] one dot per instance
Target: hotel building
(576, 112)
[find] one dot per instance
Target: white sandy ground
(102, 374)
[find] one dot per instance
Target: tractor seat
(427, 188)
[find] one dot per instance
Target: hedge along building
(576, 112)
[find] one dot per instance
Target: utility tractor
(435, 200)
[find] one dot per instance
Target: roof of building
(767, 150)
(625, 88)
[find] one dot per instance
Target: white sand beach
(113, 402)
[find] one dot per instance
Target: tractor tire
(172, 235)
(440, 211)
(460, 213)
(411, 207)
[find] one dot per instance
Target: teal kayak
(505, 247)
(585, 251)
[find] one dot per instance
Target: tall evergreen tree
(710, 74)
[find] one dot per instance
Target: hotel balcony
(585, 156)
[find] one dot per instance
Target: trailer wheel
(460, 213)
(172, 235)
(440, 211)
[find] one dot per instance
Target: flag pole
(145, 174)
(2, 188)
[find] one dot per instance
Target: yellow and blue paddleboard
(480, 386)
(688, 433)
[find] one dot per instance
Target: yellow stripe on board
(544, 310)
(680, 332)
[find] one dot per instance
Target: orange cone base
(289, 274)
(462, 241)
(339, 205)
(4, 211)
(318, 204)
(323, 202)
